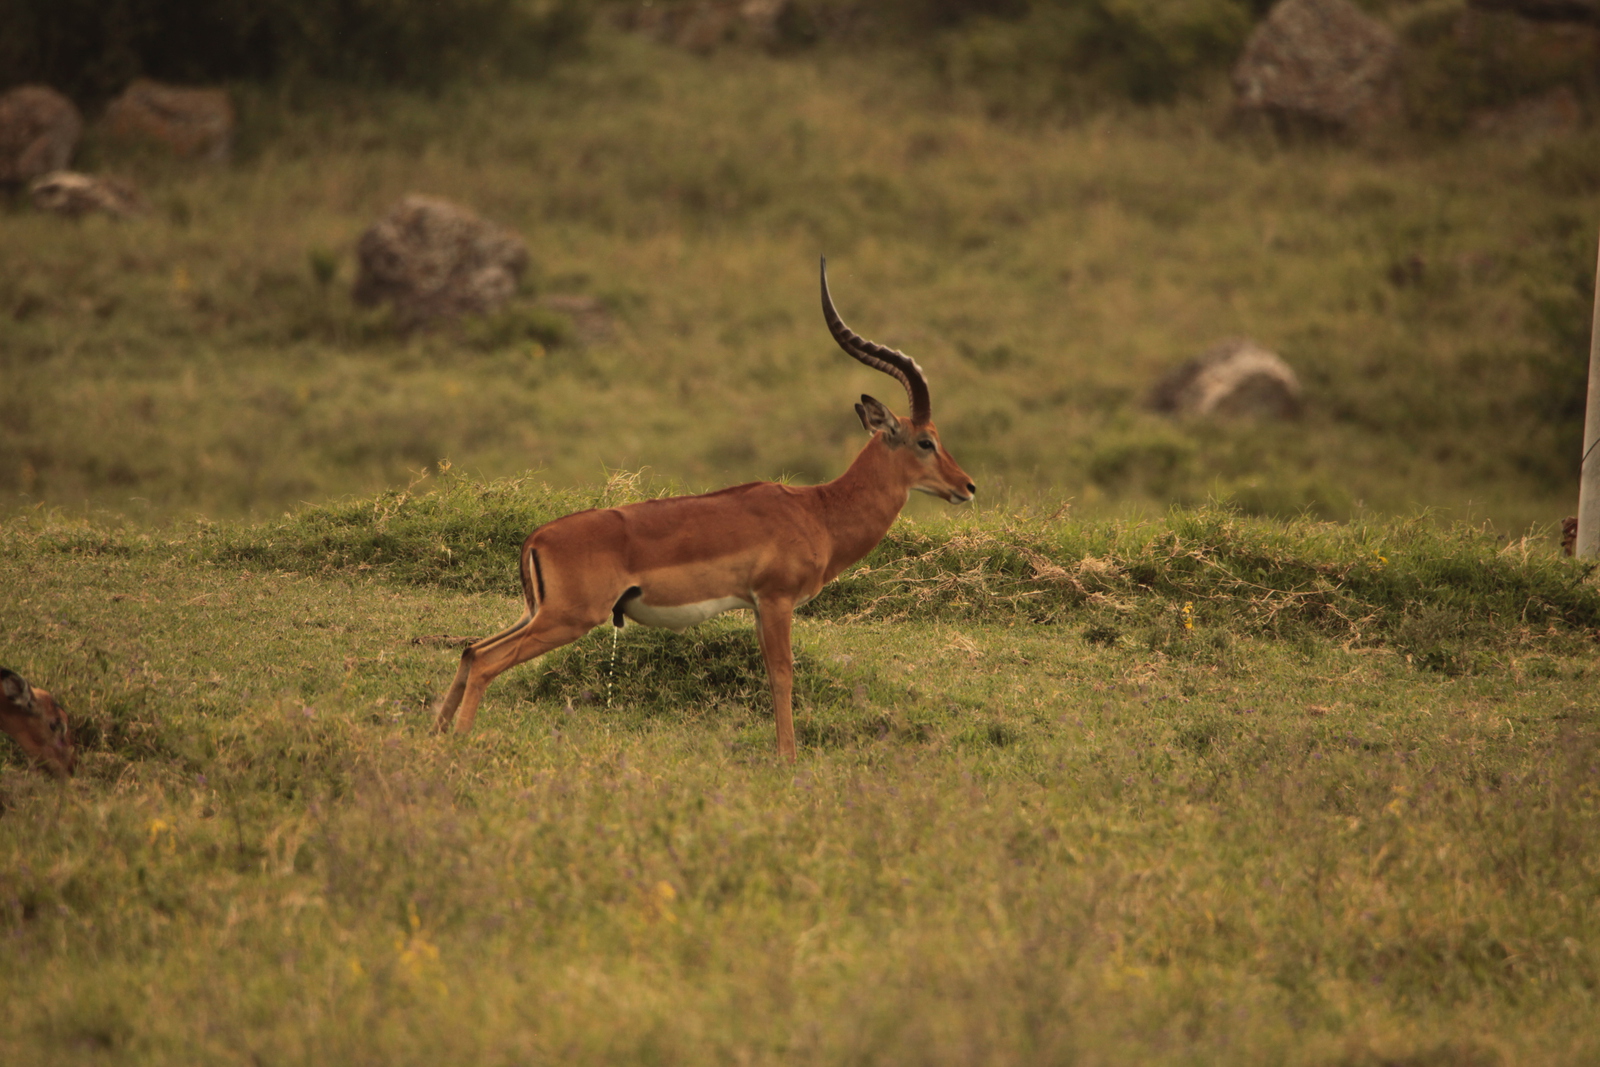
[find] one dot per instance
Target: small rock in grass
(66, 192)
(433, 259)
(1235, 377)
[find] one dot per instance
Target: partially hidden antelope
(36, 722)
(678, 561)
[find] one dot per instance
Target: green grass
(1037, 817)
(1192, 743)
(207, 358)
(1448, 595)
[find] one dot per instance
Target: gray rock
(66, 192)
(191, 122)
(1322, 62)
(433, 259)
(1235, 377)
(39, 131)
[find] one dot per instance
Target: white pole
(1588, 544)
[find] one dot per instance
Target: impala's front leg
(774, 617)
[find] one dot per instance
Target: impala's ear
(874, 417)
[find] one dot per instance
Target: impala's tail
(532, 578)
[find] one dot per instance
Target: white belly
(682, 616)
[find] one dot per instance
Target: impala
(678, 561)
(36, 722)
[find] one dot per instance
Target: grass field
(1085, 778)
(204, 359)
(1211, 789)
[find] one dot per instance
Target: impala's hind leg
(445, 711)
(483, 661)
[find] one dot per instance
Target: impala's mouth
(948, 495)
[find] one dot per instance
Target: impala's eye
(927, 445)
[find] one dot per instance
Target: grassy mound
(1445, 597)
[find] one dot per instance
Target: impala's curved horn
(896, 365)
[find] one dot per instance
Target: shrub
(91, 48)
(1462, 61)
(1071, 53)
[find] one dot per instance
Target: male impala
(678, 561)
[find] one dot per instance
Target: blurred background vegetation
(90, 49)
(1048, 203)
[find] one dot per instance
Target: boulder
(1235, 377)
(66, 192)
(433, 259)
(1323, 63)
(196, 123)
(39, 131)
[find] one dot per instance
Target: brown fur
(36, 722)
(678, 561)
(773, 546)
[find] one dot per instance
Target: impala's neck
(862, 503)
